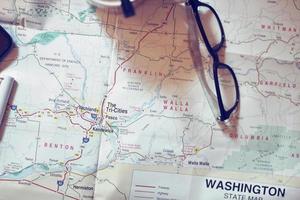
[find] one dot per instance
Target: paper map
(112, 108)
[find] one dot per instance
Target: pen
(6, 84)
(127, 8)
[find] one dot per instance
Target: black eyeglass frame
(213, 51)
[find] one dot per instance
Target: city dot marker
(60, 183)
(85, 140)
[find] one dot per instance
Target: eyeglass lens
(227, 87)
(211, 26)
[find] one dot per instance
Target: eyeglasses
(226, 86)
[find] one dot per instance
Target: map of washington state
(100, 98)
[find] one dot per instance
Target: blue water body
(43, 168)
(29, 170)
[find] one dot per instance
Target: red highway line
(67, 162)
(145, 186)
(68, 115)
(9, 180)
(53, 190)
(131, 56)
(67, 170)
(74, 158)
(62, 112)
(36, 184)
(139, 44)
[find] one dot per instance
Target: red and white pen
(6, 84)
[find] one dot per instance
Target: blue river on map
(41, 168)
